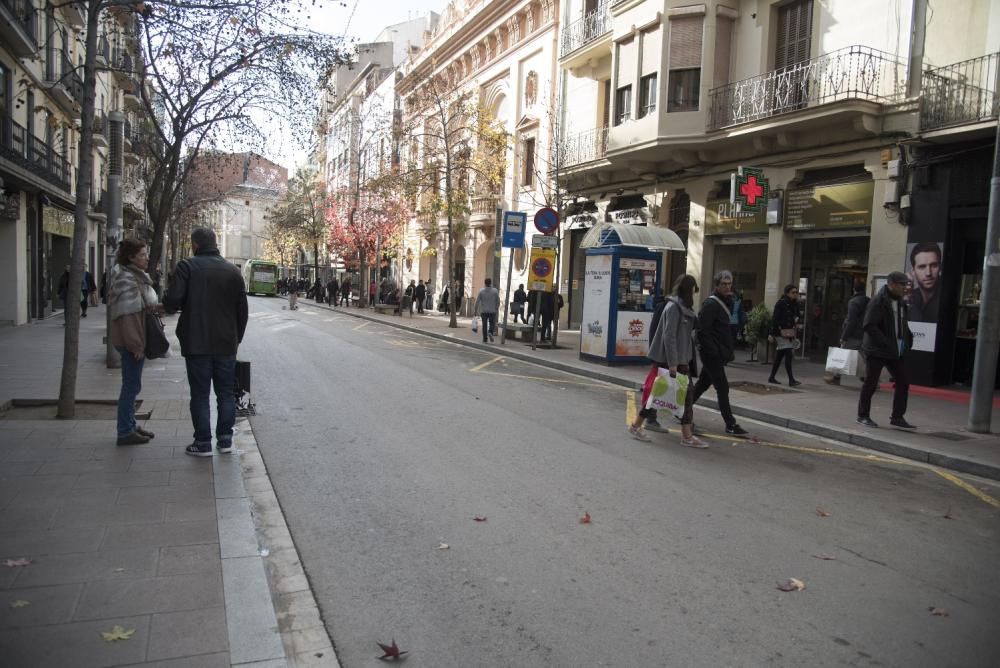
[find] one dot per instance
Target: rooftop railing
(964, 92)
(585, 30)
(851, 73)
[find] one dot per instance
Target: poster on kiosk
(619, 285)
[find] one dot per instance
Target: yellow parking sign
(541, 269)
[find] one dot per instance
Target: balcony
(33, 155)
(19, 26)
(65, 84)
(103, 51)
(130, 97)
(583, 147)
(121, 64)
(483, 214)
(75, 14)
(961, 93)
(857, 73)
(586, 31)
(100, 130)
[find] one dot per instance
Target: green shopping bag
(669, 392)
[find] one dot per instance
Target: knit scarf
(131, 291)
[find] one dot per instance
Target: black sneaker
(902, 423)
(867, 421)
(144, 433)
(737, 430)
(225, 447)
(653, 425)
(196, 450)
(133, 439)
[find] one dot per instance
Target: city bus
(261, 277)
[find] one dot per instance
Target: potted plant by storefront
(758, 327)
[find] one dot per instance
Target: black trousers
(873, 373)
(787, 354)
(713, 372)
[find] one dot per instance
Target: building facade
(503, 54)
(662, 102)
(41, 90)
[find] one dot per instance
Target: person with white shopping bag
(672, 348)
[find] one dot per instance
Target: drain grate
(950, 436)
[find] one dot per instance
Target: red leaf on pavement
(825, 557)
(585, 519)
(793, 584)
(479, 518)
(11, 563)
(821, 512)
(391, 651)
(754, 439)
(938, 612)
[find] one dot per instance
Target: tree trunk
(71, 341)
(363, 275)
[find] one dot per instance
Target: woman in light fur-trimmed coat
(130, 295)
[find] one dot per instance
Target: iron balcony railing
(25, 15)
(59, 69)
(964, 92)
(851, 73)
(100, 125)
(33, 154)
(585, 30)
(583, 147)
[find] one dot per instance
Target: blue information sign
(514, 224)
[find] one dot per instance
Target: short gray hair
(723, 275)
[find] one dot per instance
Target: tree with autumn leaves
(456, 150)
(300, 217)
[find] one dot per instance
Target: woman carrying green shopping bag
(673, 348)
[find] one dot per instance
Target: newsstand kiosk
(620, 279)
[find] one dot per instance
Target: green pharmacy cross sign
(749, 189)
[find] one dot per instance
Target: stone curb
(958, 464)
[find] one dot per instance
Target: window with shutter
(684, 81)
(625, 75)
(794, 34)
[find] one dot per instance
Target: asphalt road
(382, 446)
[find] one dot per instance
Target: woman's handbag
(157, 344)
(93, 298)
(789, 333)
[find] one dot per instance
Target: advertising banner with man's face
(924, 264)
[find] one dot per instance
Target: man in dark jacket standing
(209, 293)
(717, 348)
(332, 292)
(886, 337)
(420, 294)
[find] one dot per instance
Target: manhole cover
(759, 388)
(950, 436)
(26, 409)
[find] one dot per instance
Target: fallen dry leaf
(793, 584)
(443, 546)
(754, 439)
(11, 563)
(825, 557)
(479, 518)
(821, 512)
(947, 514)
(117, 633)
(585, 519)
(391, 651)
(938, 612)
(20, 604)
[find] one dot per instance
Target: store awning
(618, 234)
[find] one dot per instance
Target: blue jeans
(204, 371)
(489, 324)
(131, 386)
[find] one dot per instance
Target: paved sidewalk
(814, 407)
(169, 548)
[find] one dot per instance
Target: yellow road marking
(485, 364)
(630, 412)
(979, 494)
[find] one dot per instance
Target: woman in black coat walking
(784, 332)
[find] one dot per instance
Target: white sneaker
(693, 442)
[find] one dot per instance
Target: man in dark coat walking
(210, 294)
(717, 348)
(887, 337)
(420, 294)
(332, 291)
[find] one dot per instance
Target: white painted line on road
(361, 326)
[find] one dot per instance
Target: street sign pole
(514, 224)
(506, 300)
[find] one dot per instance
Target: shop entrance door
(828, 268)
